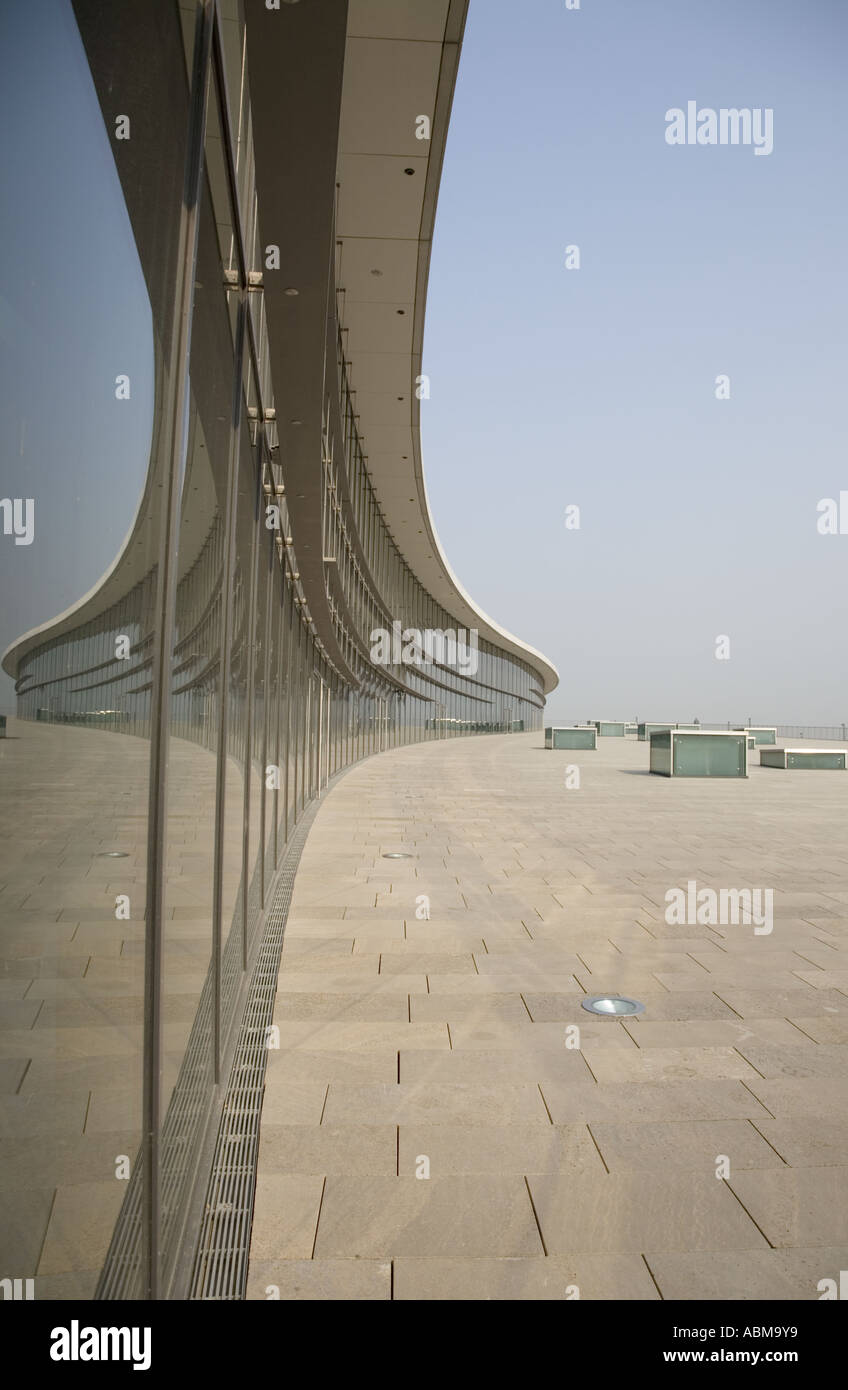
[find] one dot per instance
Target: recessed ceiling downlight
(612, 1005)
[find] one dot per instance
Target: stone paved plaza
(411, 1046)
(445, 1044)
(72, 979)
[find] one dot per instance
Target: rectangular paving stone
(783, 1003)
(471, 1065)
(437, 1102)
(26, 1116)
(19, 1013)
(773, 1275)
(466, 1216)
(23, 1222)
(510, 1148)
(570, 1103)
(324, 1281)
(301, 1065)
(289, 1102)
(774, 1060)
(534, 966)
(12, 1072)
(719, 1032)
(335, 1036)
(759, 980)
(350, 980)
(529, 1036)
(688, 1144)
(303, 950)
(343, 1149)
(27, 1163)
(82, 1219)
(640, 1212)
(488, 984)
(78, 1284)
(824, 1028)
(45, 967)
(449, 1008)
(64, 1044)
(808, 1096)
(285, 1216)
(805, 1145)
(432, 963)
(554, 1279)
(659, 1064)
(342, 1008)
(796, 1206)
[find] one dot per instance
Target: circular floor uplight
(613, 1006)
(394, 855)
(113, 854)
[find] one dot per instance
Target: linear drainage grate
(220, 1267)
(122, 1274)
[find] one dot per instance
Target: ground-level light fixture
(113, 854)
(613, 1006)
(395, 855)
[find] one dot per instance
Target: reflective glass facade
(192, 706)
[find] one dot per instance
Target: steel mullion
(225, 673)
(239, 235)
(176, 407)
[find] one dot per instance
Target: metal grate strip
(220, 1269)
(183, 1126)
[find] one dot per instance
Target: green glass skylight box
(684, 753)
(572, 737)
(822, 759)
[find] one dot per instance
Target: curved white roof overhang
(401, 63)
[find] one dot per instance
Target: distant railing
(828, 732)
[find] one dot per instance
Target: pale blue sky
(549, 387)
(73, 315)
(596, 386)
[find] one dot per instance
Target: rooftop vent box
(609, 728)
(571, 738)
(684, 753)
(644, 731)
(824, 759)
(761, 735)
